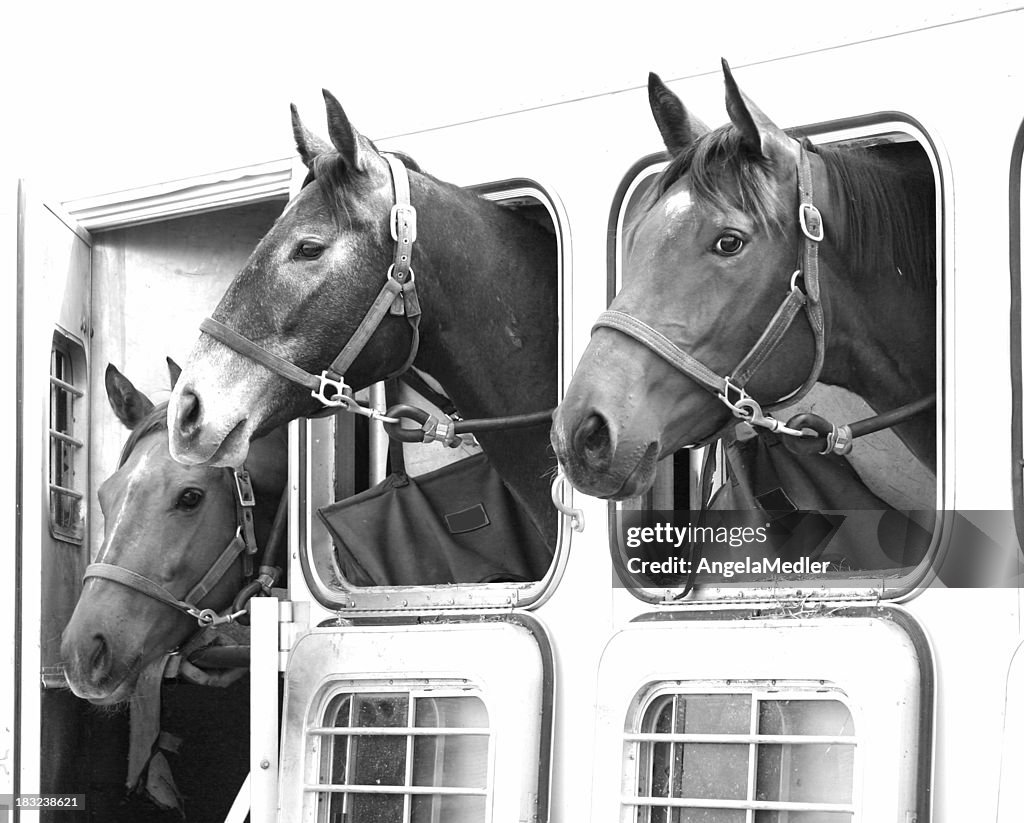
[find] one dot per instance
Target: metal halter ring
(746, 408)
(403, 283)
(339, 386)
(208, 617)
(739, 408)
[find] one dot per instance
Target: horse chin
(629, 481)
(234, 448)
(109, 692)
(121, 694)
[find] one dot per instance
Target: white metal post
(263, 708)
(378, 437)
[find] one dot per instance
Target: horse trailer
(889, 687)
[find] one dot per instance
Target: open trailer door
(53, 328)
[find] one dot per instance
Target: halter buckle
(338, 387)
(405, 213)
(811, 223)
(243, 485)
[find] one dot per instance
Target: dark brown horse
(168, 524)
(723, 241)
(485, 282)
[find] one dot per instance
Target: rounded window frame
(858, 129)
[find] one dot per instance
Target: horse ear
(174, 370)
(344, 137)
(678, 127)
(309, 145)
(129, 404)
(760, 136)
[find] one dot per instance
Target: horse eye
(308, 250)
(728, 245)
(189, 499)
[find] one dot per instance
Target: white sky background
(102, 96)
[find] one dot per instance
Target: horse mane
(889, 225)
(889, 219)
(155, 420)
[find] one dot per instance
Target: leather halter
(397, 297)
(730, 389)
(244, 541)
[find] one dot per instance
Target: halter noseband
(243, 541)
(398, 297)
(730, 389)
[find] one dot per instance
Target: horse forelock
(723, 176)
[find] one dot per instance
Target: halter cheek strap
(397, 296)
(244, 541)
(730, 389)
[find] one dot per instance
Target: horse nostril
(99, 662)
(190, 411)
(592, 439)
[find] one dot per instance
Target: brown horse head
(714, 252)
(168, 523)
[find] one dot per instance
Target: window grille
(404, 756)
(67, 520)
(754, 756)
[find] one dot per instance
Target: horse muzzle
(598, 456)
(92, 669)
(193, 437)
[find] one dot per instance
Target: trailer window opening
(67, 520)
(408, 756)
(754, 755)
(478, 526)
(888, 481)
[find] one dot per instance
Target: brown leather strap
(397, 296)
(663, 347)
(809, 300)
(770, 338)
(233, 340)
(245, 503)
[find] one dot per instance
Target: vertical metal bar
(673, 776)
(696, 464)
(350, 777)
(755, 708)
(410, 722)
(378, 437)
(263, 702)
